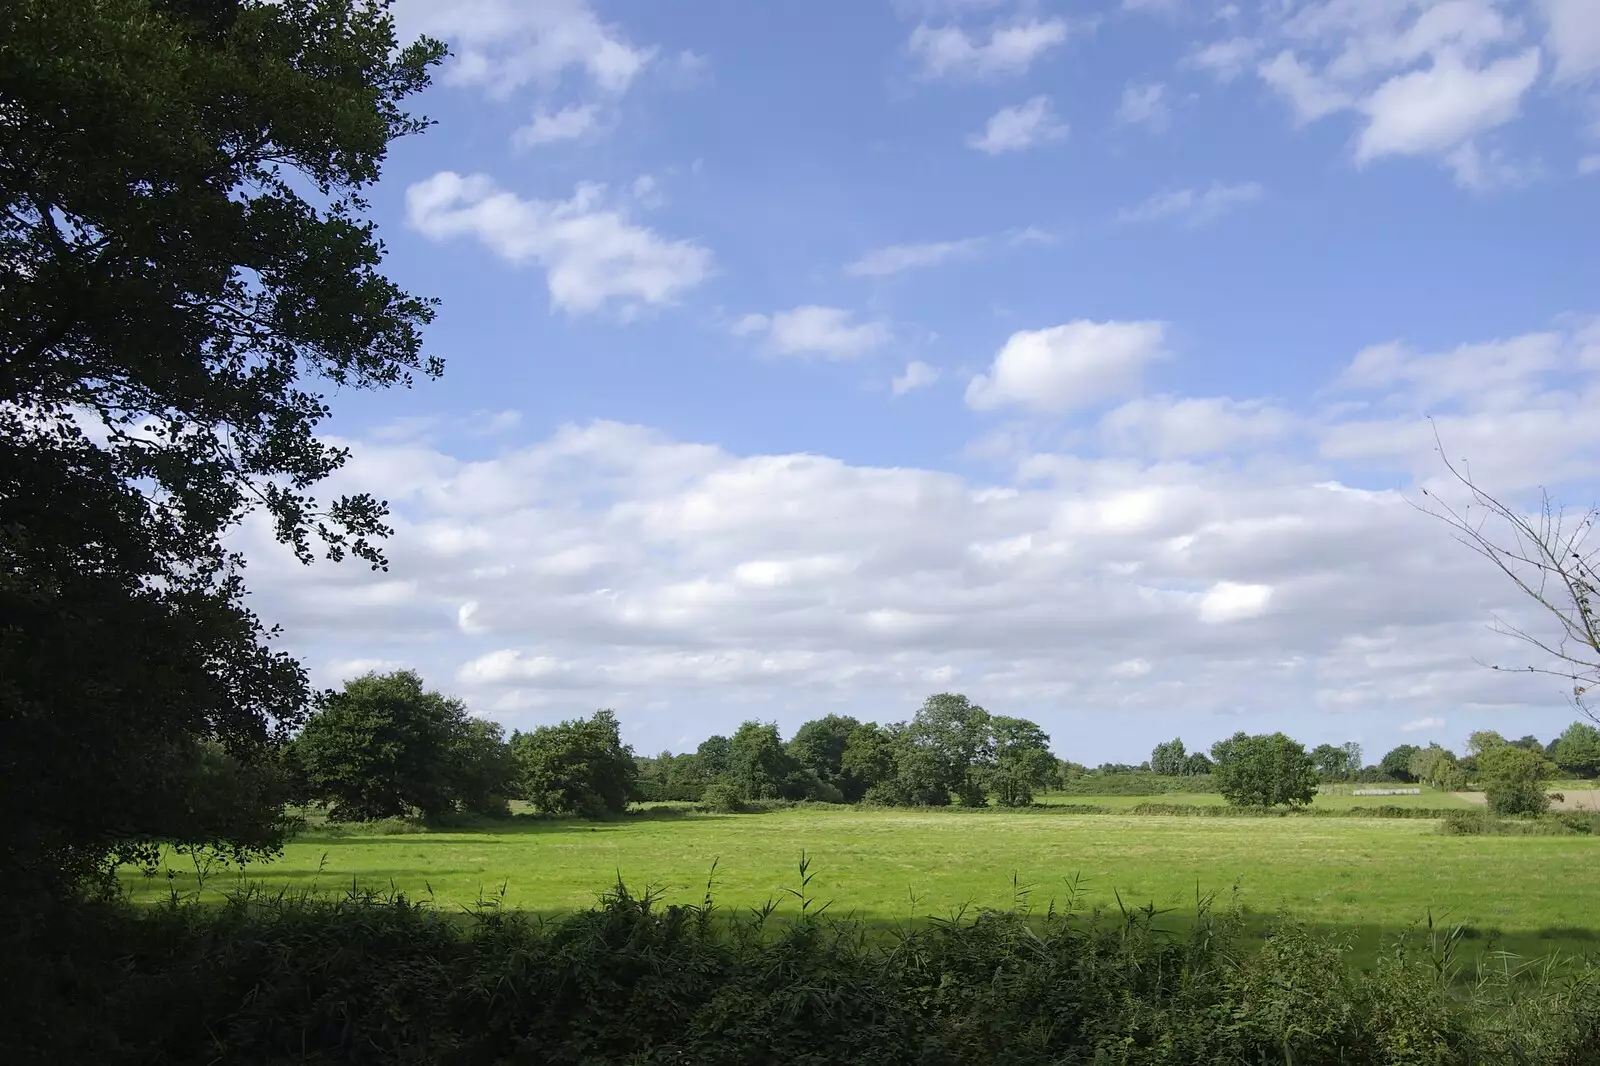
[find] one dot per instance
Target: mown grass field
(1368, 877)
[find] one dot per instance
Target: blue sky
(816, 357)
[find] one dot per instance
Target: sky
(1087, 359)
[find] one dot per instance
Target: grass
(1369, 877)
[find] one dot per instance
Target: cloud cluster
(1430, 78)
(830, 332)
(577, 66)
(1025, 125)
(591, 252)
(1192, 562)
(1005, 48)
(1193, 207)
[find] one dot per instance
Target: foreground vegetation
(1368, 876)
(371, 980)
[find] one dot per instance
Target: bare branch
(1548, 561)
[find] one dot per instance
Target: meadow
(1365, 877)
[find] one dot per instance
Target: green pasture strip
(1367, 876)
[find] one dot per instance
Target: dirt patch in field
(1587, 799)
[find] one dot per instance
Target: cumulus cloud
(1573, 37)
(953, 52)
(917, 375)
(895, 258)
(1169, 427)
(830, 332)
(1068, 366)
(555, 48)
(1194, 208)
(591, 253)
(549, 127)
(1144, 104)
(613, 565)
(503, 45)
(1012, 129)
(1434, 79)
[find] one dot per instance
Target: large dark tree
(1264, 771)
(818, 746)
(184, 263)
(956, 732)
(385, 747)
(577, 767)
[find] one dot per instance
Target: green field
(1367, 876)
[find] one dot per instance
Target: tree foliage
(384, 747)
(1514, 779)
(184, 262)
(1577, 750)
(1264, 771)
(1169, 758)
(1337, 762)
(577, 767)
(818, 746)
(1437, 767)
(1396, 763)
(1022, 760)
(957, 735)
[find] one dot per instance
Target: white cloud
(1225, 59)
(1430, 724)
(1430, 111)
(830, 332)
(1168, 427)
(1431, 78)
(1589, 164)
(1012, 129)
(1309, 95)
(895, 258)
(1067, 366)
(1230, 601)
(591, 253)
(1144, 104)
(548, 127)
(952, 52)
(690, 586)
(1573, 37)
(917, 375)
(1194, 208)
(504, 45)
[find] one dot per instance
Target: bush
(1136, 784)
(1517, 797)
(720, 797)
(366, 979)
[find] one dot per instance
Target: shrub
(720, 797)
(367, 979)
(1517, 797)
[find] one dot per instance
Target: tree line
(384, 746)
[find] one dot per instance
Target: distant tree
(759, 765)
(1169, 758)
(1528, 743)
(819, 745)
(1396, 765)
(1484, 739)
(1264, 771)
(1577, 750)
(956, 733)
(577, 767)
(1336, 762)
(893, 768)
(382, 748)
(1022, 760)
(712, 755)
(1438, 767)
(1197, 764)
(1514, 779)
(482, 773)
